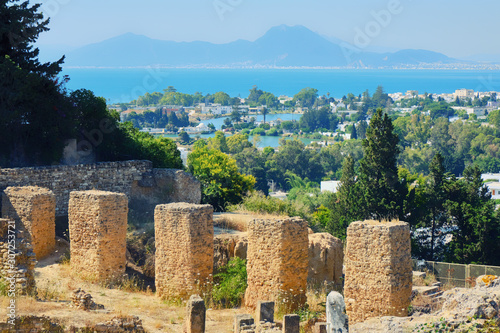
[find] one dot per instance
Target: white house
(201, 128)
(217, 109)
(330, 186)
(494, 189)
(491, 177)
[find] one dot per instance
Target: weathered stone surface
(378, 270)
(97, 231)
(137, 179)
(17, 265)
(320, 328)
(224, 246)
(243, 321)
(196, 313)
(184, 237)
(335, 313)
(326, 257)
(83, 301)
(34, 210)
(264, 312)
(291, 323)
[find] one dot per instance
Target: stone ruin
(17, 261)
(33, 208)
(83, 301)
(277, 261)
(184, 236)
(326, 258)
(97, 231)
(378, 271)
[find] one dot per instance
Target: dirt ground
(56, 283)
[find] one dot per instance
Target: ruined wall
(17, 261)
(378, 271)
(97, 231)
(33, 208)
(129, 177)
(277, 261)
(184, 248)
(326, 257)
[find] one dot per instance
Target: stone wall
(184, 248)
(277, 261)
(137, 179)
(33, 208)
(17, 260)
(97, 231)
(326, 258)
(378, 270)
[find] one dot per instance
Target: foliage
(313, 120)
(230, 284)
(306, 97)
(221, 182)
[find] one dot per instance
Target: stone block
(291, 324)
(97, 231)
(265, 312)
(184, 237)
(241, 321)
(335, 313)
(320, 328)
(196, 313)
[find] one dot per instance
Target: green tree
(306, 97)
(184, 137)
(221, 183)
(221, 98)
(348, 206)
(380, 186)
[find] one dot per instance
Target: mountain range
(281, 46)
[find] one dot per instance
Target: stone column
(34, 210)
(184, 237)
(335, 316)
(97, 231)
(196, 313)
(378, 270)
(278, 261)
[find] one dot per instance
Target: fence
(458, 275)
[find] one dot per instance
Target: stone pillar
(335, 316)
(34, 210)
(184, 237)
(378, 270)
(196, 313)
(291, 324)
(326, 258)
(97, 231)
(265, 312)
(277, 261)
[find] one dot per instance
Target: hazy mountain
(282, 46)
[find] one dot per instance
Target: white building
(491, 177)
(330, 186)
(494, 189)
(216, 109)
(464, 93)
(201, 128)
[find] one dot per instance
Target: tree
(221, 98)
(221, 183)
(306, 97)
(348, 207)
(380, 186)
(184, 137)
(354, 134)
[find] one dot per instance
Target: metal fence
(458, 275)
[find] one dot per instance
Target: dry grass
(429, 279)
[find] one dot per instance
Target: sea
(121, 85)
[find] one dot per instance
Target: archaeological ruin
(97, 231)
(378, 271)
(277, 261)
(184, 236)
(33, 208)
(326, 258)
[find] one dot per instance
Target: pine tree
(20, 26)
(383, 193)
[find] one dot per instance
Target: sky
(457, 28)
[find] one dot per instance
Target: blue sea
(125, 85)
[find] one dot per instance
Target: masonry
(33, 209)
(144, 185)
(378, 272)
(97, 231)
(277, 261)
(184, 237)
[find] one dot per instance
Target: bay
(126, 84)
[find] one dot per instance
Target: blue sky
(457, 28)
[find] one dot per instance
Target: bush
(230, 284)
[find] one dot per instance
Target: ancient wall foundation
(277, 261)
(97, 231)
(326, 258)
(378, 271)
(17, 260)
(137, 179)
(184, 248)
(33, 208)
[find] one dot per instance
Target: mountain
(281, 46)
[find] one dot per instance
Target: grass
(429, 279)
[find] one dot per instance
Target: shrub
(230, 284)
